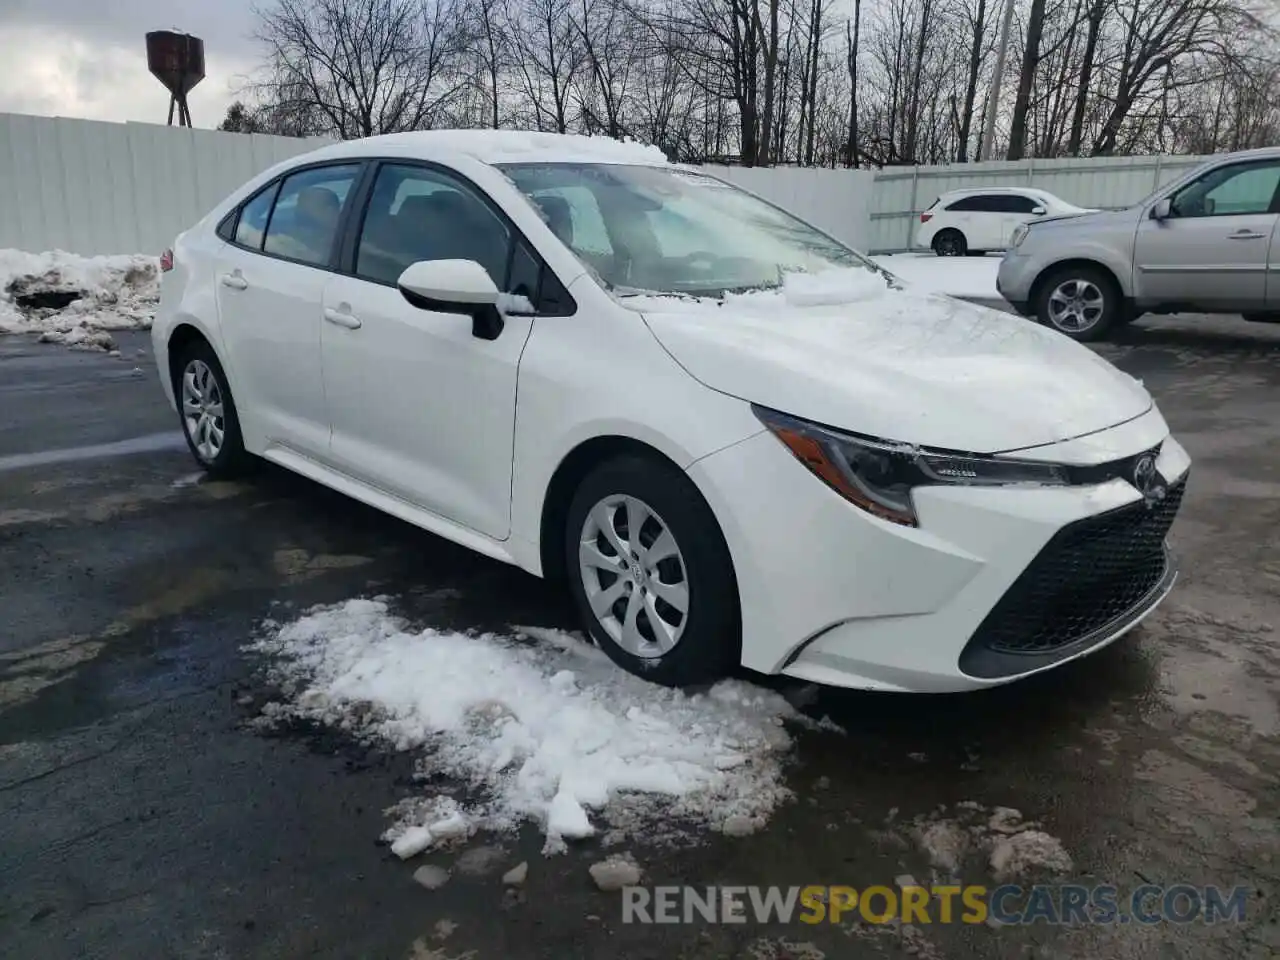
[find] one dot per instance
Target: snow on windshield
(670, 230)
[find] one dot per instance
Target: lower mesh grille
(1092, 576)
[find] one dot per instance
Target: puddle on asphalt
(1195, 682)
(150, 443)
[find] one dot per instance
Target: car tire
(689, 565)
(950, 243)
(207, 413)
(1082, 302)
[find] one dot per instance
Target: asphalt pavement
(143, 815)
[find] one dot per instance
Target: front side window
(416, 213)
(304, 221)
(668, 230)
(1019, 204)
(1246, 188)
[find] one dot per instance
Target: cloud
(95, 67)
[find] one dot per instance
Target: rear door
(978, 217)
(1213, 249)
(271, 282)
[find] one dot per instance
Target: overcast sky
(87, 58)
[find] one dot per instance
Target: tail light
(166, 261)
(926, 217)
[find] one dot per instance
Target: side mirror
(1163, 209)
(1038, 211)
(454, 286)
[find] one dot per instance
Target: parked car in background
(738, 441)
(1209, 242)
(972, 222)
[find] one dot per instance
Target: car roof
(972, 190)
(495, 147)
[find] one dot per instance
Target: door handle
(342, 318)
(1246, 235)
(235, 281)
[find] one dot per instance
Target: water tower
(177, 61)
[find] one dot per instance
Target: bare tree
(362, 67)
(549, 55)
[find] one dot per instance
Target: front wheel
(651, 574)
(1082, 302)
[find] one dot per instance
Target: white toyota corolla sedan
(739, 442)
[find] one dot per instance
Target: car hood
(1085, 218)
(849, 351)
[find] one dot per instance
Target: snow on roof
(502, 146)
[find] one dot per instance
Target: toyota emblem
(1147, 481)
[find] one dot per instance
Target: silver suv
(1209, 243)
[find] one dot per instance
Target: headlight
(1019, 234)
(879, 475)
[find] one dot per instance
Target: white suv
(739, 441)
(972, 222)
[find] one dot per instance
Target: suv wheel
(950, 243)
(1082, 302)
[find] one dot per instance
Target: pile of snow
(537, 726)
(970, 277)
(77, 300)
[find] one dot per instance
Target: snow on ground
(956, 276)
(536, 726)
(77, 300)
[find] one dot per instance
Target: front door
(270, 286)
(419, 406)
(1211, 252)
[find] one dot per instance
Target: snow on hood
(76, 300)
(849, 350)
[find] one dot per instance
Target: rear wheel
(208, 412)
(1080, 301)
(950, 243)
(651, 574)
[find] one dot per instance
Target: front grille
(1090, 579)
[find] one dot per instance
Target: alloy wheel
(1076, 305)
(634, 576)
(203, 415)
(947, 246)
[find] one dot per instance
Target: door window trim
(353, 227)
(275, 183)
(1272, 208)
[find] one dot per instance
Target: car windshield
(645, 229)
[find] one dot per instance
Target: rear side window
(304, 221)
(253, 218)
(966, 205)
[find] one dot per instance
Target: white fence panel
(91, 187)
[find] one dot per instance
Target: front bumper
(833, 595)
(1014, 280)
